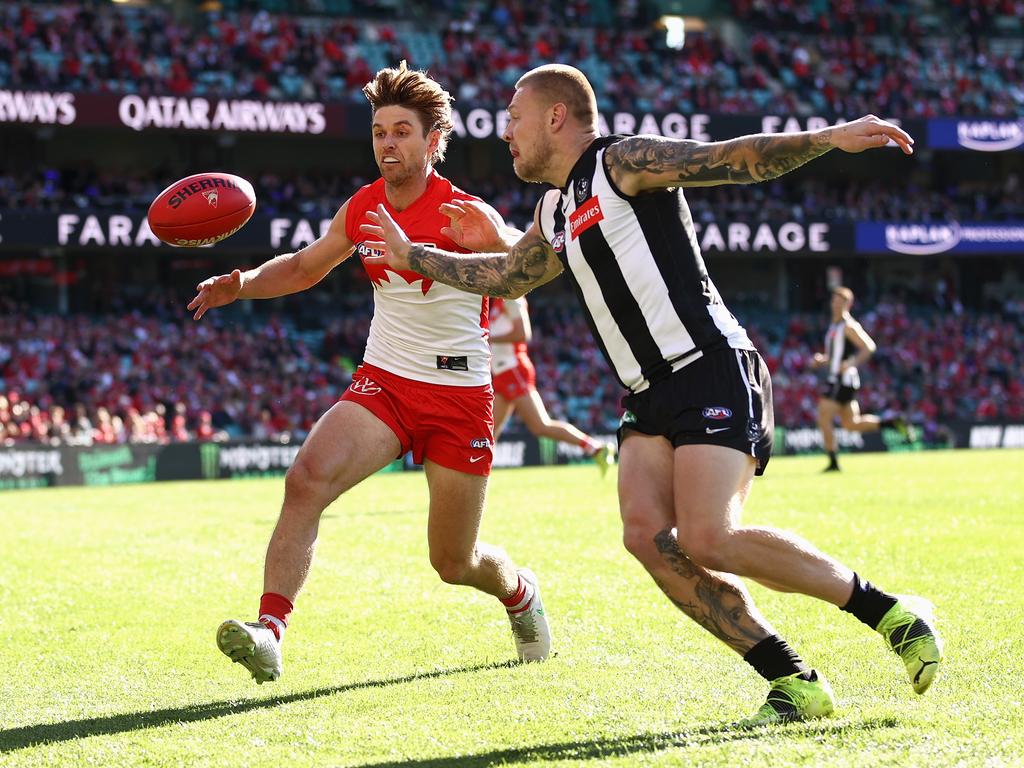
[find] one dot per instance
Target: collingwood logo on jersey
(582, 187)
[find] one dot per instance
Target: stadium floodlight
(675, 31)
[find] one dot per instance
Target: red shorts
(451, 426)
(516, 382)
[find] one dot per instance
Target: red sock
(520, 599)
(274, 612)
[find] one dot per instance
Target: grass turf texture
(110, 597)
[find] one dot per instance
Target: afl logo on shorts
(364, 386)
(558, 242)
(716, 412)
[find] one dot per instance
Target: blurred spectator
(142, 379)
(897, 58)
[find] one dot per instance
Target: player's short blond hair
(414, 90)
(560, 83)
(846, 293)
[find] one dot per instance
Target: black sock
(833, 460)
(773, 658)
(868, 603)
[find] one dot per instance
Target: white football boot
(253, 646)
(530, 625)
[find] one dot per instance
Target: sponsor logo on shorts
(475, 459)
(711, 431)
(480, 442)
(628, 418)
(364, 386)
(753, 430)
(716, 412)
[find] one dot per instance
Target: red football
(202, 209)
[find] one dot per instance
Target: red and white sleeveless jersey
(421, 329)
(504, 313)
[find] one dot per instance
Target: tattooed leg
(718, 602)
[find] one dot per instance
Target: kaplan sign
(995, 135)
(930, 238)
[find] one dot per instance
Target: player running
(424, 385)
(515, 384)
(847, 348)
(699, 423)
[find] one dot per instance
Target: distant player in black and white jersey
(699, 423)
(847, 347)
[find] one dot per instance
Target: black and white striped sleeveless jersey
(837, 351)
(638, 272)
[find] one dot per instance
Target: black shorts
(723, 398)
(839, 392)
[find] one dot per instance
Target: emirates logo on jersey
(584, 217)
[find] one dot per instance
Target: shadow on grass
(631, 745)
(31, 735)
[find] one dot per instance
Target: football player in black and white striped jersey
(698, 424)
(847, 347)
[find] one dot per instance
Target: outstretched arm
(652, 162)
(281, 275)
(529, 262)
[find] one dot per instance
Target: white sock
(279, 625)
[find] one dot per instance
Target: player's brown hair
(845, 292)
(415, 90)
(560, 83)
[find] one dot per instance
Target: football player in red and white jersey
(424, 385)
(515, 383)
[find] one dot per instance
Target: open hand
(216, 292)
(870, 132)
(475, 225)
(390, 238)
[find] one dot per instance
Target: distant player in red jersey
(515, 384)
(424, 385)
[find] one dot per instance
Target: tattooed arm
(528, 263)
(652, 162)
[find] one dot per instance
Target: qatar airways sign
(199, 114)
(40, 107)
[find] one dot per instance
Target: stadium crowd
(160, 377)
(320, 194)
(904, 58)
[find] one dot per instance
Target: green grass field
(109, 600)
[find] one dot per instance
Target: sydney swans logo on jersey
(378, 273)
(364, 385)
(990, 135)
(922, 239)
(584, 217)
